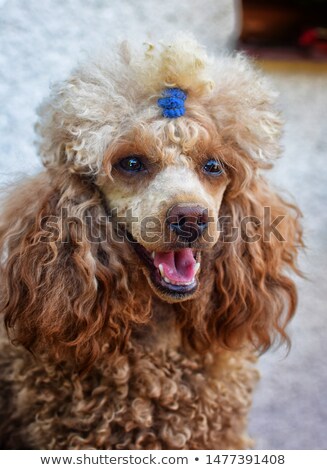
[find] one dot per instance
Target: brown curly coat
(93, 355)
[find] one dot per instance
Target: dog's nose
(188, 221)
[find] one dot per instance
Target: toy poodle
(143, 271)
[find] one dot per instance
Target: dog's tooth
(161, 269)
(153, 255)
(196, 268)
(175, 283)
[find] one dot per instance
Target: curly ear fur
(256, 298)
(61, 276)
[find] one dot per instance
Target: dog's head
(164, 175)
(168, 145)
(165, 186)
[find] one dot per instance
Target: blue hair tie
(172, 102)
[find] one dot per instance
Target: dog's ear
(65, 290)
(261, 234)
(253, 296)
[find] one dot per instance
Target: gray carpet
(41, 40)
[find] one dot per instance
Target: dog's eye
(132, 164)
(213, 167)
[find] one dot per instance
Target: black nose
(188, 221)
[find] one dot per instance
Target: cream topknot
(181, 63)
(107, 96)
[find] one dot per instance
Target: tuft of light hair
(181, 62)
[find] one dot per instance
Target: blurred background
(41, 40)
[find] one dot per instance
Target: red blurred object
(284, 29)
(314, 38)
(308, 37)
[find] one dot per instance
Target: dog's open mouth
(177, 268)
(175, 272)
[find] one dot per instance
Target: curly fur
(94, 357)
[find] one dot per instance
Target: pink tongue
(178, 266)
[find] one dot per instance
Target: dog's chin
(172, 274)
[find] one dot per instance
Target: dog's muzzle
(187, 221)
